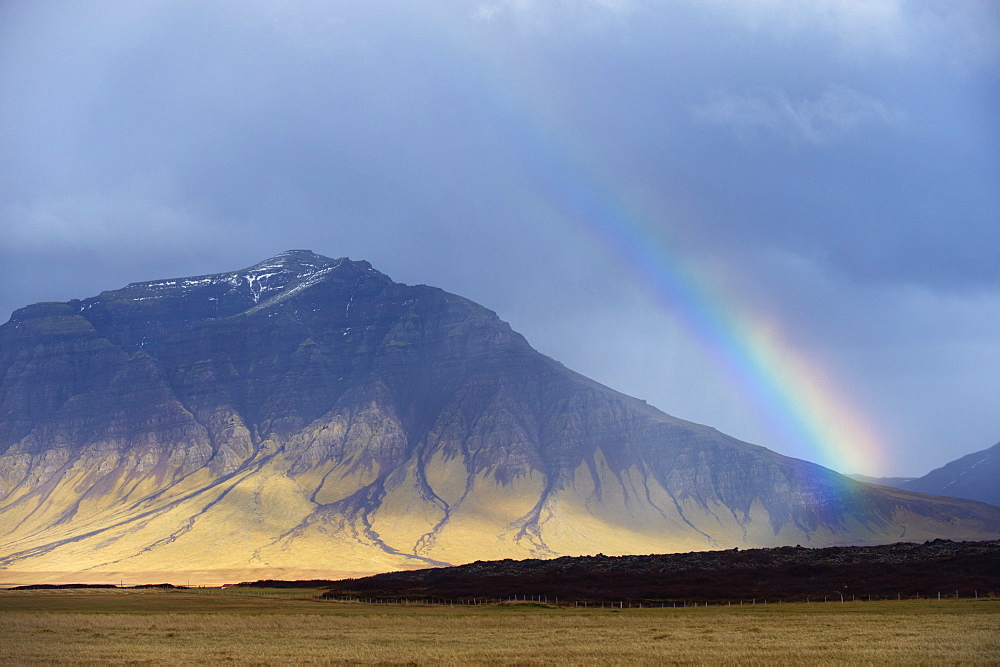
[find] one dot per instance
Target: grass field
(289, 626)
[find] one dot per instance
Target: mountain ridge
(975, 476)
(308, 411)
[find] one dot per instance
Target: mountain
(975, 477)
(308, 417)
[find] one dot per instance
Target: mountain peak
(308, 411)
(301, 264)
(286, 267)
(259, 282)
(292, 270)
(305, 261)
(301, 253)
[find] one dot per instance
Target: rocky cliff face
(309, 415)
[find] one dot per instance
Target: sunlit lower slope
(309, 416)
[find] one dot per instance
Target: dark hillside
(784, 573)
(974, 477)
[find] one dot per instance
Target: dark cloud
(834, 166)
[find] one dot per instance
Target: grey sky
(832, 166)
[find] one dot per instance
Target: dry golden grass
(186, 627)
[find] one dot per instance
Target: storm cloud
(833, 167)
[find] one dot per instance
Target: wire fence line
(836, 597)
(555, 601)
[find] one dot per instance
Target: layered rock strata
(309, 415)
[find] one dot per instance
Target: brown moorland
(271, 626)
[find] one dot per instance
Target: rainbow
(799, 399)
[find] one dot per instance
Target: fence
(836, 597)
